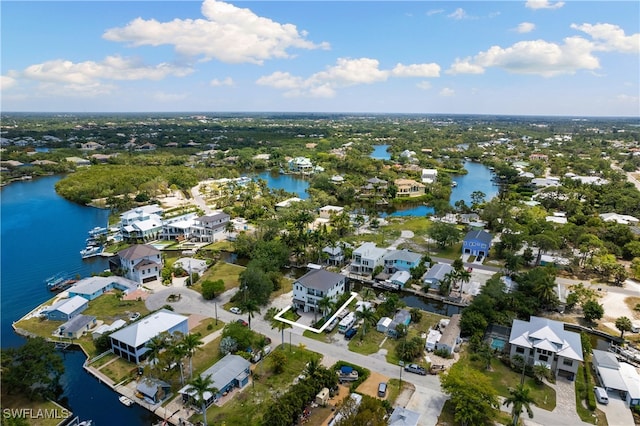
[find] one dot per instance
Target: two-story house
(400, 260)
(141, 263)
(429, 176)
(142, 223)
(374, 187)
(211, 228)
(365, 258)
(315, 285)
(541, 341)
(409, 188)
(477, 243)
(178, 227)
(300, 165)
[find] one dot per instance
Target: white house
(141, 223)
(327, 211)
(316, 285)
(93, 287)
(300, 165)
(365, 258)
(617, 376)
(432, 339)
(429, 176)
(66, 309)
(623, 219)
(210, 228)
(541, 341)
(130, 342)
(140, 263)
(451, 336)
(178, 227)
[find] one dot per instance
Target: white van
(601, 395)
(347, 322)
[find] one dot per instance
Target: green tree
(211, 288)
(471, 393)
(623, 324)
(592, 311)
(444, 234)
(250, 306)
(155, 345)
(325, 305)
(191, 343)
(278, 361)
(280, 325)
(33, 370)
(203, 385)
(520, 399)
(368, 316)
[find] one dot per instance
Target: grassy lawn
(39, 327)
(370, 344)
(109, 307)
(320, 337)
(427, 321)
(417, 225)
(447, 414)
(20, 402)
(119, 370)
(203, 327)
(286, 286)
(105, 359)
(206, 356)
(452, 252)
(227, 272)
(249, 404)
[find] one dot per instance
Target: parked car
(415, 368)
(350, 333)
(134, 316)
(243, 322)
(235, 310)
(382, 389)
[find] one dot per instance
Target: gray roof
(403, 417)
(140, 332)
(138, 251)
(149, 386)
(605, 359)
(483, 236)
(320, 279)
(68, 306)
(213, 218)
(77, 323)
(91, 285)
(222, 372)
(406, 255)
(451, 332)
(438, 271)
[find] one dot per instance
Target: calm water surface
(290, 183)
(42, 234)
(380, 152)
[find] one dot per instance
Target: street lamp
(401, 364)
(215, 305)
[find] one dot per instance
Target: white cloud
(168, 97)
(458, 14)
(447, 92)
(89, 72)
(533, 57)
(7, 82)
(543, 4)
(434, 12)
(424, 85)
(609, 37)
(346, 72)
(525, 27)
(416, 70)
(226, 82)
(229, 34)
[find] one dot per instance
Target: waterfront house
(541, 341)
(403, 317)
(107, 328)
(434, 276)
(432, 339)
(316, 285)
(130, 342)
(142, 223)
(141, 263)
(617, 376)
(191, 265)
(477, 243)
(328, 211)
(409, 188)
(66, 309)
(287, 203)
(374, 187)
(210, 228)
(76, 326)
(383, 324)
(399, 279)
(300, 165)
(93, 287)
(229, 373)
(335, 255)
(400, 260)
(153, 390)
(429, 176)
(365, 258)
(450, 336)
(179, 227)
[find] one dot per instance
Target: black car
(415, 368)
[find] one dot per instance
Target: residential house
(76, 326)
(477, 243)
(142, 223)
(179, 227)
(400, 260)
(365, 258)
(107, 328)
(93, 287)
(300, 165)
(153, 390)
(436, 274)
(287, 202)
(429, 176)
(450, 336)
(210, 228)
(374, 188)
(403, 317)
(432, 339)
(402, 416)
(541, 341)
(409, 188)
(229, 373)
(328, 211)
(335, 255)
(316, 285)
(383, 324)
(623, 219)
(91, 146)
(66, 309)
(130, 342)
(468, 218)
(191, 265)
(617, 376)
(399, 279)
(337, 180)
(536, 156)
(141, 263)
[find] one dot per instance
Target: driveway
(617, 412)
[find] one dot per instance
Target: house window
(543, 358)
(519, 350)
(567, 362)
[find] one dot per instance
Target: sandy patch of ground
(370, 386)
(195, 320)
(135, 295)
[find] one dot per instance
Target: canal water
(290, 183)
(42, 234)
(380, 152)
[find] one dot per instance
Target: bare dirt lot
(370, 386)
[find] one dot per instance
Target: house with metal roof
(436, 274)
(450, 336)
(77, 326)
(477, 243)
(402, 316)
(210, 228)
(541, 341)
(403, 417)
(65, 309)
(617, 376)
(229, 373)
(316, 285)
(153, 390)
(365, 258)
(142, 223)
(141, 263)
(130, 342)
(93, 287)
(400, 260)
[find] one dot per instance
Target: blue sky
(575, 58)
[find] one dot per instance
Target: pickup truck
(415, 368)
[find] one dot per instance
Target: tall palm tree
(280, 325)
(250, 307)
(519, 398)
(325, 304)
(154, 346)
(367, 294)
(463, 276)
(177, 353)
(191, 343)
(202, 385)
(367, 315)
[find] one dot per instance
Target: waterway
(380, 152)
(290, 183)
(42, 234)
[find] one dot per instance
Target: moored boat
(60, 281)
(126, 401)
(91, 251)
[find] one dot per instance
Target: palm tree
(463, 276)
(520, 399)
(447, 283)
(280, 325)
(367, 294)
(250, 307)
(154, 346)
(202, 385)
(178, 352)
(325, 304)
(623, 324)
(191, 342)
(367, 315)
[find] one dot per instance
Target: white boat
(126, 401)
(91, 251)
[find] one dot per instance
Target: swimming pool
(497, 344)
